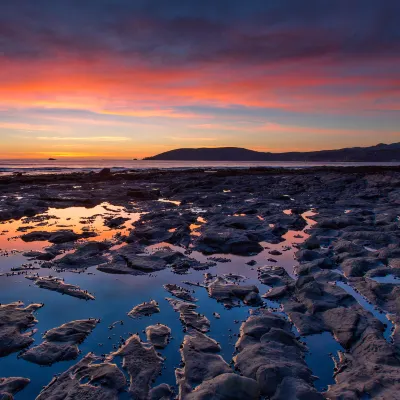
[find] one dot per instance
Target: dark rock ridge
(380, 152)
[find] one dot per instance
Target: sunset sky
(132, 78)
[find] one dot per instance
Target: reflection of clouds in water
(118, 294)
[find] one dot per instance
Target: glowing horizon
(125, 81)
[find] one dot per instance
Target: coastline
(209, 254)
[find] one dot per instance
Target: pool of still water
(116, 295)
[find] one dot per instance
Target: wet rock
(15, 320)
(145, 309)
(161, 392)
(358, 266)
(60, 343)
(227, 386)
(143, 194)
(201, 362)
(159, 335)
(89, 379)
(115, 222)
(142, 363)
(189, 317)
(39, 255)
(179, 292)
(268, 352)
(11, 386)
(230, 294)
(86, 255)
(58, 285)
(56, 237)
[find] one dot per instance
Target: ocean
(35, 166)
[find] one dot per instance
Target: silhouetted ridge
(379, 153)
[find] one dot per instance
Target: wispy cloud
(85, 139)
(191, 139)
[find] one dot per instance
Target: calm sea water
(116, 295)
(35, 166)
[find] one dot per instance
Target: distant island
(379, 153)
(52, 159)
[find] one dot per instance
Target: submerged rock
(15, 320)
(89, 379)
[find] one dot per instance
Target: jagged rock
(142, 363)
(159, 335)
(11, 386)
(189, 317)
(86, 380)
(268, 352)
(60, 343)
(145, 309)
(179, 292)
(14, 322)
(57, 285)
(201, 362)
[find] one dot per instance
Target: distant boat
(52, 159)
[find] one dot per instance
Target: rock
(11, 386)
(89, 379)
(268, 352)
(86, 255)
(61, 343)
(116, 222)
(159, 335)
(143, 194)
(14, 323)
(230, 294)
(179, 292)
(161, 392)
(227, 386)
(358, 266)
(145, 309)
(57, 285)
(201, 362)
(189, 317)
(142, 363)
(58, 237)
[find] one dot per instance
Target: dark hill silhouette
(379, 153)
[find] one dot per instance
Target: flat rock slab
(11, 386)
(159, 335)
(61, 343)
(57, 285)
(145, 309)
(89, 379)
(188, 316)
(142, 363)
(14, 322)
(179, 292)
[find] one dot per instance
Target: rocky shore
(342, 226)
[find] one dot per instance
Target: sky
(129, 79)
